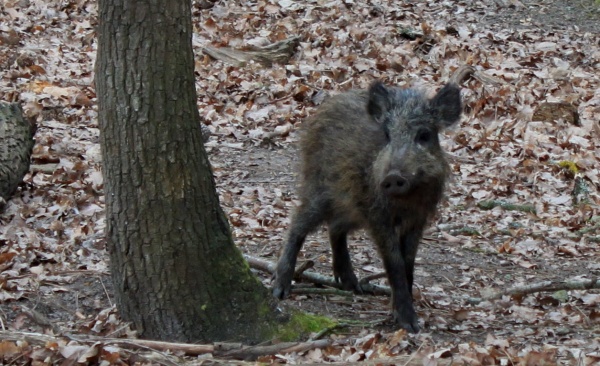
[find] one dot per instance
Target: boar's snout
(394, 184)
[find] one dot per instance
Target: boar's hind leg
(305, 220)
(342, 264)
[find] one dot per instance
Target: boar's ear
(379, 100)
(446, 105)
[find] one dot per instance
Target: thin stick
(303, 267)
(372, 277)
(545, 286)
(316, 278)
(321, 291)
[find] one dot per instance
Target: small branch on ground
(260, 264)
(488, 205)
(321, 291)
(43, 168)
(303, 267)
(461, 74)
(372, 277)
(278, 52)
(545, 286)
(328, 330)
(460, 159)
(316, 278)
(592, 229)
(464, 72)
(221, 350)
(247, 353)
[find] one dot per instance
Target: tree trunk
(16, 143)
(177, 273)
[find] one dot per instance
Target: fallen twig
(222, 350)
(279, 52)
(321, 291)
(488, 205)
(464, 72)
(544, 286)
(303, 267)
(372, 277)
(43, 168)
(256, 351)
(260, 264)
(461, 74)
(328, 330)
(316, 278)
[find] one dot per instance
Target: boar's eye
(386, 131)
(424, 137)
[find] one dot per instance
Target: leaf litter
(514, 147)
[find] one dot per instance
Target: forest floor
(541, 163)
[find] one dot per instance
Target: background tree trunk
(16, 143)
(177, 273)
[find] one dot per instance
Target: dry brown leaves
(54, 227)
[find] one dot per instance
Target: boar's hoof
(408, 322)
(349, 282)
(282, 291)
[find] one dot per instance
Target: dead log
(278, 52)
(16, 144)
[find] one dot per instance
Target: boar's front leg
(409, 245)
(390, 250)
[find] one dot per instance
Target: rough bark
(16, 143)
(177, 274)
